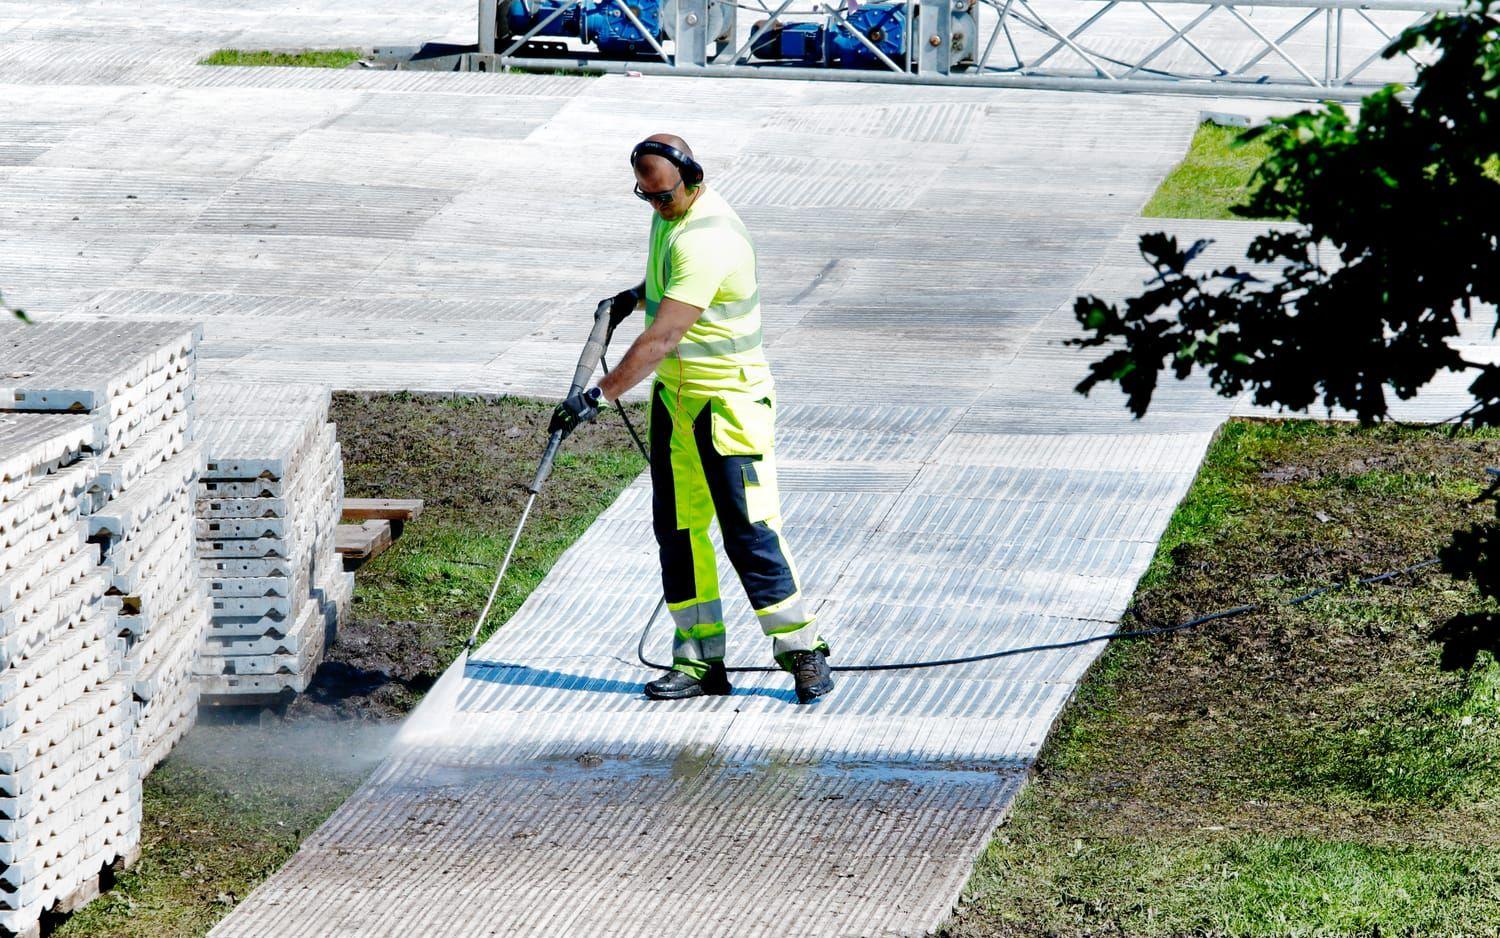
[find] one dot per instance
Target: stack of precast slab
(269, 500)
(101, 609)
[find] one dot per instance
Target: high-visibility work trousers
(713, 457)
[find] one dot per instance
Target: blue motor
(832, 44)
(800, 42)
(884, 24)
(602, 23)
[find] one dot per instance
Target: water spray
(442, 700)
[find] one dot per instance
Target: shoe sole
(657, 695)
(687, 695)
(813, 693)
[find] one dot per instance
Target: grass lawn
(1212, 178)
(242, 790)
(307, 58)
(1215, 176)
(1326, 769)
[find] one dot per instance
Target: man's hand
(580, 408)
(618, 308)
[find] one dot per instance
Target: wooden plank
(86, 892)
(125, 860)
(382, 509)
(362, 541)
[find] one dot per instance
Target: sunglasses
(657, 198)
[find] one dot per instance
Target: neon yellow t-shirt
(706, 259)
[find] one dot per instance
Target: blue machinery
(870, 36)
(617, 29)
(1299, 49)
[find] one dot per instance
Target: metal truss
(1310, 49)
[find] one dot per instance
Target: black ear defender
(692, 173)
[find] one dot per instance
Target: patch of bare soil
(377, 670)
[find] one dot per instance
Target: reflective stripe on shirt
(695, 348)
(718, 312)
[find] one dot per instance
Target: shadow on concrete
(524, 675)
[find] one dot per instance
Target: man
(712, 404)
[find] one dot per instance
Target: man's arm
(673, 319)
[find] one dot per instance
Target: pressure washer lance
(593, 350)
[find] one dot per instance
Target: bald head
(658, 175)
(657, 172)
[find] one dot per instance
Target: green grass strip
(1325, 769)
(1211, 179)
(307, 58)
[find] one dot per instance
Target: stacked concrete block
(269, 499)
(101, 640)
(135, 383)
(130, 379)
(146, 555)
(69, 773)
(147, 533)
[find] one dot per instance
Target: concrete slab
(273, 483)
(35, 445)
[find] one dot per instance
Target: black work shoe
(674, 685)
(812, 674)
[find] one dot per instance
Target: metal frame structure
(1034, 43)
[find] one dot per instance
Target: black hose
(640, 648)
(1053, 646)
(625, 416)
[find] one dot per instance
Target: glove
(580, 408)
(619, 307)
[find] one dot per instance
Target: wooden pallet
(371, 524)
(382, 509)
(362, 541)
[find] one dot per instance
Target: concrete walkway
(947, 493)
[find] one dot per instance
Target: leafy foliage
(1397, 234)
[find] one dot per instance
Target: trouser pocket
(741, 425)
(762, 500)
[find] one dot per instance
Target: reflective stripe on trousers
(692, 482)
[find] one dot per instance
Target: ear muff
(692, 173)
